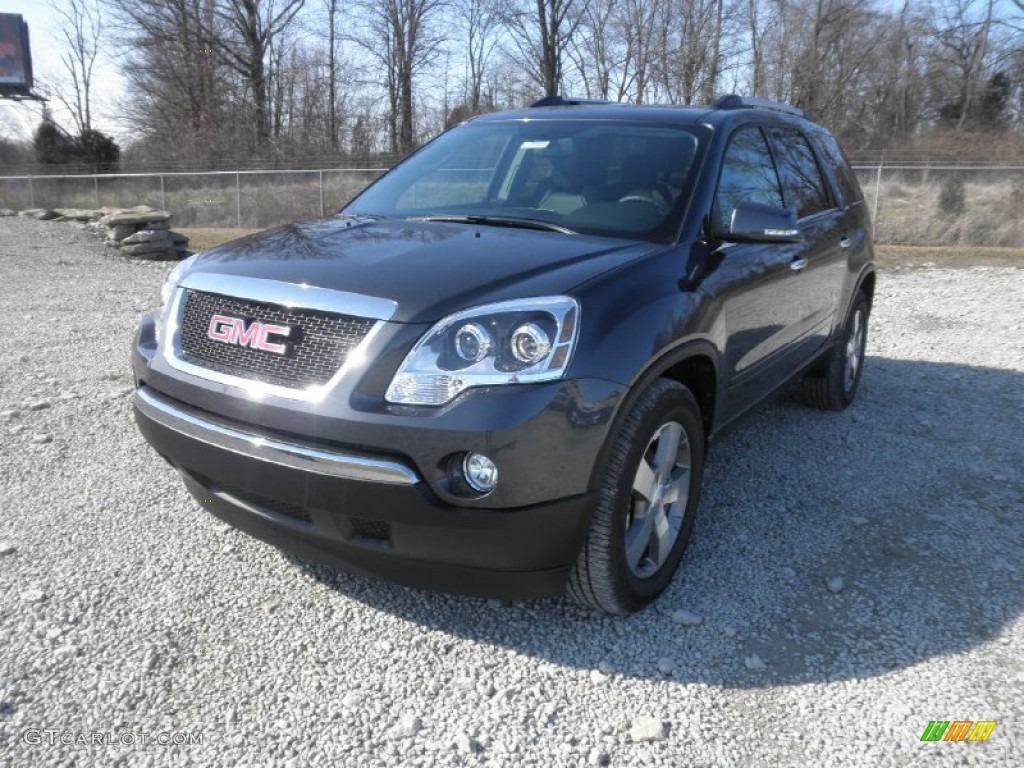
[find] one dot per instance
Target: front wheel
(646, 504)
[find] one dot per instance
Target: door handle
(845, 243)
(797, 264)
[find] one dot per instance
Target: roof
(723, 110)
(610, 111)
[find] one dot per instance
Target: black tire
(602, 576)
(831, 387)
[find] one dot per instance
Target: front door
(758, 284)
(825, 231)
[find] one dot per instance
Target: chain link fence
(243, 199)
(912, 204)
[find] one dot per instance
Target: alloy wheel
(661, 489)
(854, 351)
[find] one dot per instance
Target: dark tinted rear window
(838, 167)
(802, 184)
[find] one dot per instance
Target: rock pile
(140, 232)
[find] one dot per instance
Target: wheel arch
(866, 283)
(693, 364)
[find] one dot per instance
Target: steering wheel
(646, 197)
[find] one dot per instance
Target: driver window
(748, 175)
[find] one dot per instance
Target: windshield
(602, 177)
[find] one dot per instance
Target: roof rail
(732, 101)
(566, 101)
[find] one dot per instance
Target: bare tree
(637, 19)
(249, 29)
(892, 91)
(753, 20)
(332, 73)
(540, 32)
(689, 54)
(219, 79)
(81, 28)
(963, 29)
(480, 19)
(401, 36)
(179, 89)
(597, 49)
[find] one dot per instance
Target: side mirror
(760, 223)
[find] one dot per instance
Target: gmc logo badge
(232, 330)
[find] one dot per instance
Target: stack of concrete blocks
(140, 232)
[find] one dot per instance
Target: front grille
(263, 502)
(316, 348)
(370, 529)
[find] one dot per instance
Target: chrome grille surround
(288, 298)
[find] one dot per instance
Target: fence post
(878, 189)
(96, 188)
(163, 194)
(238, 198)
(31, 193)
(321, 193)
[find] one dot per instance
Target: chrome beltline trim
(342, 465)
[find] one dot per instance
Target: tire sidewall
(672, 405)
(860, 303)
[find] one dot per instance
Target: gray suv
(497, 371)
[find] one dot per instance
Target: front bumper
(359, 512)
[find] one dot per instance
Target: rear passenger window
(802, 184)
(837, 164)
(748, 175)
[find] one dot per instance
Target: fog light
(479, 472)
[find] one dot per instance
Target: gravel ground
(852, 576)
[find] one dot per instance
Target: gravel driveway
(852, 576)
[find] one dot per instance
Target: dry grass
(947, 256)
(911, 209)
(204, 238)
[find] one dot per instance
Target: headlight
(167, 290)
(512, 342)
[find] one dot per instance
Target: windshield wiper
(502, 221)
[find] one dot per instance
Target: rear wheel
(646, 504)
(835, 386)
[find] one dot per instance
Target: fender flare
(654, 369)
(868, 270)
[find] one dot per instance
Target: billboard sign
(15, 57)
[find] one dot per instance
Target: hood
(429, 269)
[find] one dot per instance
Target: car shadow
(829, 546)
